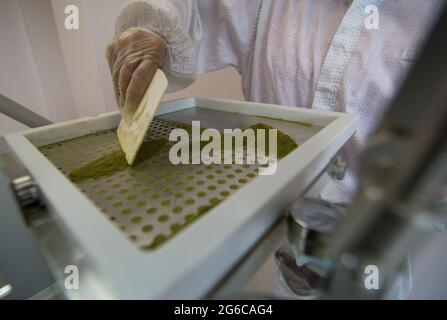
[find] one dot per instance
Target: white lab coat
(307, 53)
(317, 54)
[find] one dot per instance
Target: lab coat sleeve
(202, 35)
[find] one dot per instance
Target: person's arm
(201, 36)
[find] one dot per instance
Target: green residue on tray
(158, 241)
(177, 227)
(115, 162)
(285, 144)
(304, 124)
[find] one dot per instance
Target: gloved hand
(133, 57)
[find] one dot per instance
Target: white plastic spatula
(131, 133)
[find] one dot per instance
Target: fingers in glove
(115, 54)
(141, 78)
(125, 75)
(111, 53)
(116, 68)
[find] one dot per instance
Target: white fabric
(306, 53)
(178, 24)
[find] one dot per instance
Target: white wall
(221, 84)
(47, 54)
(80, 60)
(32, 71)
(101, 32)
(19, 78)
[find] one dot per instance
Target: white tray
(195, 260)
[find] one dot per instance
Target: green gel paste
(141, 204)
(147, 228)
(163, 218)
(177, 209)
(285, 144)
(136, 220)
(158, 240)
(115, 162)
(175, 228)
(190, 218)
(151, 210)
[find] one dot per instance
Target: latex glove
(133, 57)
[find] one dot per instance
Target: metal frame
(21, 114)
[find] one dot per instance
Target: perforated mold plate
(153, 200)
